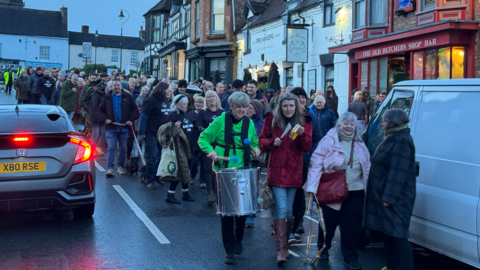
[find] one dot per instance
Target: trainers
(250, 222)
(121, 171)
(109, 173)
(352, 265)
(294, 238)
(300, 229)
(324, 255)
(203, 186)
(171, 199)
(229, 258)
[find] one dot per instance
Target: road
(116, 238)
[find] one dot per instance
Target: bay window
(218, 17)
(197, 20)
(428, 4)
(156, 29)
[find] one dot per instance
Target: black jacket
(187, 126)
(158, 113)
(95, 101)
(46, 86)
(129, 110)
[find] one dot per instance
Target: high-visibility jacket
(6, 75)
(19, 72)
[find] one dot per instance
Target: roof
(162, 6)
(274, 10)
(109, 41)
(14, 2)
(240, 9)
(306, 4)
(43, 23)
(257, 8)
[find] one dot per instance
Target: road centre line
(99, 167)
(293, 254)
(141, 215)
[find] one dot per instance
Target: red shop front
(441, 51)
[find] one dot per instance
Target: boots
(211, 198)
(280, 228)
(186, 196)
(289, 231)
(171, 198)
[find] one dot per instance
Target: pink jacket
(329, 157)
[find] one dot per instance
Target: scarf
(388, 133)
(344, 137)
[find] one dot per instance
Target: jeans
(361, 126)
(98, 134)
(71, 114)
(152, 151)
(45, 101)
(194, 167)
(299, 203)
(22, 101)
(112, 137)
(284, 198)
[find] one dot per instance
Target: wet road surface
(116, 238)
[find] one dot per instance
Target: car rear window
(32, 123)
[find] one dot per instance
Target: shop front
(173, 60)
(441, 51)
(211, 61)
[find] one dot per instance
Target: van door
(401, 98)
(447, 142)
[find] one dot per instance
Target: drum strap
(230, 141)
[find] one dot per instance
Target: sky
(99, 14)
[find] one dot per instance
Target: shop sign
(412, 45)
(297, 45)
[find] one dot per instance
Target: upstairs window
(329, 14)
(134, 58)
(197, 19)
(115, 56)
(428, 4)
(378, 12)
(44, 52)
(249, 40)
(359, 13)
(218, 17)
(156, 29)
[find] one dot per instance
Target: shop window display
(444, 63)
(458, 62)
(373, 77)
(383, 75)
(430, 65)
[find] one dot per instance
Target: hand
(277, 142)
(108, 121)
(256, 152)
(178, 123)
(386, 203)
(74, 89)
(128, 123)
(300, 131)
(213, 156)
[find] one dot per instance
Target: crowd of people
(214, 122)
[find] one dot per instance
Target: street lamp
(121, 16)
(96, 44)
(266, 67)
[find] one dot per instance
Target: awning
(171, 47)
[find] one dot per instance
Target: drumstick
(232, 159)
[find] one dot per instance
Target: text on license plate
(40, 166)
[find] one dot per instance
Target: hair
(328, 93)
(383, 93)
(331, 86)
(211, 92)
(81, 80)
(173, 83)
(253, 82)
(238, 99)
(24, 72)
(219, 83)
(358, 95)
(287, 89)
(297, 118)
(132, 79)
(74, 75)
(395, 118)
(145, 87)
(183, 99)
(319, 97)
(349, 116)
(125, 77)
(197, 96)
(159, 90)
(94, 74)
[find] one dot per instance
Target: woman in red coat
(285, 162)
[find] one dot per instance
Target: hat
(258, 106)
(39, 68)
(182, 83)
(82, 73)
(124, 85)
(298, 91)
(237, 84)
(151, 80)
(76, 71)
(270, 91)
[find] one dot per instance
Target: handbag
(333, 187)
(168, 167)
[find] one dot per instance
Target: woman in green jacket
(229, 131)
(21, 87)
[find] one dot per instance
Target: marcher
(196, 159)
(359, 108)
(182, 89)
(274, 100)
(254, 92)
(311, 99)
(34, 95)
(98, 125)
(220, 89)
(323, 115)
(380, 98)
(68, 95)
(237, 86)
(211, 110)
(85, 97)
(21, 88)
(57, 93)
(141, 99)
(285, 168)
(342, 148)
(183, 142)
(30, 71)
(391, 190)
(230, 127)
(330, 103)
(9, 81)
(132, 88)
(78, 117)
(118, 111)
(46, 87)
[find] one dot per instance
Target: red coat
(286, 161)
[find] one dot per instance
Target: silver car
(45, 162)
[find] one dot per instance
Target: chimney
(141, 33)
(64, 12)
(85, 29)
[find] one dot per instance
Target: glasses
(287, 95)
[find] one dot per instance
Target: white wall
(104, 56)
(26, 48)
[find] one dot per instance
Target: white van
(445, 123)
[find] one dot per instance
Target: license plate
(17, 167)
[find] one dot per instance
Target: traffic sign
(87, 50)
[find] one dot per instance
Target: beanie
(237, 84)
(182, 83)
(76, 71)
(39, 68)
(298, 91)
(258, 106)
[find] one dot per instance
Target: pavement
(134, 228)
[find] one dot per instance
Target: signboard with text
(297, 45)
(87, 50)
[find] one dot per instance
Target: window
(45, 52)
(115, 55)
(133, 57)
(249, 40)
(197, 19)
(442, 63)
(383, 75)
(329, 76)
(218, 9)
(364, 75)
(373, 77)
(359, 13)
(186, 19)
(418, 66)
(289, 76)
(156, 29)
(428, 4)
(155, 63)
(378, 12)
(329, 16)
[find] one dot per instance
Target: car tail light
(22, 139)
(84, 151)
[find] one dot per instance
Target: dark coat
(326, 118)
(68, 97)
(286, 161)
(21, 86)
(95, 101)
(105, 111)
(258, 122)
(273, 77)
(46, 86)
(187, 126)
(332, 105)
(392, 179)
(168, 134)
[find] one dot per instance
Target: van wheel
(84, 211)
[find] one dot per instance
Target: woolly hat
(182, 83)
(258, 106)
(124, 85)
(76, 71)
(298, 91)
(237, 84)
(39, 68)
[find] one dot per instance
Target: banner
(87, 50)
(297, 45)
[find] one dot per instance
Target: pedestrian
(330, 103)
(98, 125)
(181, 122)
(34, 95)
(117, 110)
(78, 117)
(269, 95)
(341, 149)
(30, 71)
(156, 112)
(21, 88)
(254, 92)
(56, 94)
(68, 95)
(46, 87)
(85, 97)
(380, 98)
(141, 99)
(237, 86)
(359, 108)
(182, 89)
(391, 190)
(196, 160)
(9, 81)
(226, 130)
(273, 102)
(206, 85)
(334, 94)
(369, 102)
(285, 168)
(211, 110)
(323, 115)
(132, 88)
(220, 89)
(19, 71)
(311, 99)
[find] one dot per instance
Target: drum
(238, 191)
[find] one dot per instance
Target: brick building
(396, 40)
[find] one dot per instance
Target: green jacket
(216, 133)
(22, 86)
(68, 97)
(6, 75)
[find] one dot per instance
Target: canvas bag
(168, 167)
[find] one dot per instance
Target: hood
(273, 66)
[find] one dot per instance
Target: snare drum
(238, 191)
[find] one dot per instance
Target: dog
(132, 166)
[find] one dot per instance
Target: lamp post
(96, 44)
(121, 16)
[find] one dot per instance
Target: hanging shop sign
(297, 45)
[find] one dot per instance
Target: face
(238, 112)
(198, 104)
(46, 73)
(208, 86)
(61, 78)
(182, 90)
(117, 87)
(182, 106)
(144, 91)
(131, 84)
(251, 89)
(250, 111)
(39, 72)
(80, 83)
(288, 108)
(93, 78)
(220, 88)
(144, 79)
(211, 100)
(74, 80)
(168, 93)
(381, 98)
(302, 100)
(121, 79)
(283, 90)
(348, 127)
(319, 104)
(320, 92)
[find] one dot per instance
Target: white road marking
(298, 245)
(293, 254)
(141, 215)
(99, 167)
(311, 219)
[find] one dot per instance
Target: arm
(133, 110)
(265, 142)
(142, 124)
(315, 169)
(101, 111)
(304, 141)
(84, 96)
(209, 136)
(39, 87)
(66, 91)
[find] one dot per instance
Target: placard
(297, 45)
